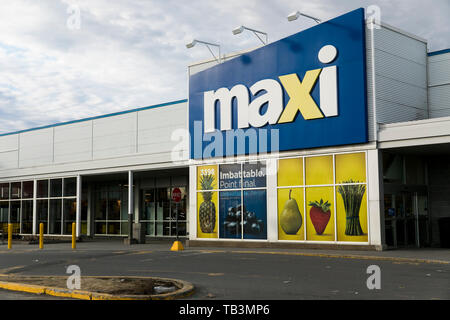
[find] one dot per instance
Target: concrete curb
(185, 289)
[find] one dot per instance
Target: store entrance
(406, 218)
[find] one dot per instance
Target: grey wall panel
(401, 93)
(73, 142)
(370, 91)
(398, 113)
(8, 160)
(9, 143)
(36, 148)
(439, 69)
(401, 45)
(400, 76)
(401, 69)
(114, 136)
(156, 127)
(440, 100)
(439, 85)
(107, 143)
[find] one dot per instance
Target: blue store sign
(305, 91)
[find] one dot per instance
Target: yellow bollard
(10, 236)
(74, 237)
(41, 236)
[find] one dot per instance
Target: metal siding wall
(439, 85)
(401, 77)
(36, 148)
(156, 127)
(370, 91)
(134, 138)
(9, 152)
(114, 136)
(73, 142)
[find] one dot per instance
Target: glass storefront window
(100, 205)
(15, 190)
(41, 214)
(70, 213)
(148, 212)
(4, 216)
(55, 188)
(232, 201)
(70, 187)
(54, 223)
(114, 205)
(330, 205)
(14, 216)
(4, 191)
(27, 190)
(42, 189)
(163, 204)
(111, 209)
(27, 217)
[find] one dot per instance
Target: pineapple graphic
(207, 211)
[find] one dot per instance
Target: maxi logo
(249, 114)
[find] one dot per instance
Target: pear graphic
(291, 218)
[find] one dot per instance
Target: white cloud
(130, 54)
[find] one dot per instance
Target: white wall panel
(36, 148)
(105, 143)
(9, 143)
(114, 136)
(73, 142)
(8, 160)
(156, 127)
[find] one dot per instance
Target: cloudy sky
(63, 60)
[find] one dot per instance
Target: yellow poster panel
(207, 214)
(207, 178)
(320, 214)
(290, 172)
(351, 168)
(291, 218)
(351, 213)
(319, 170)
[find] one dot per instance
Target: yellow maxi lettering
(300, 96)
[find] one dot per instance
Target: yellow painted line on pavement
(139, 253)
(344, 256)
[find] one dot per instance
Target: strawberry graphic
(320, 215)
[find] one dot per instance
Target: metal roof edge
(434, 53)
(96, 117)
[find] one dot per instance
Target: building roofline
(434, 53)
(96, 117)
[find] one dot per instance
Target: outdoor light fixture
(241, 29)
(295, 15)
(207, 44)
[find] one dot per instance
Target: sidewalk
(117, 246)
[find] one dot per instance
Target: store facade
(333, 137)
(298, 143)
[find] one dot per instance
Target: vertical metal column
(78, 212)
(34, 208)
(130, 206)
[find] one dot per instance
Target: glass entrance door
(406, 219)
